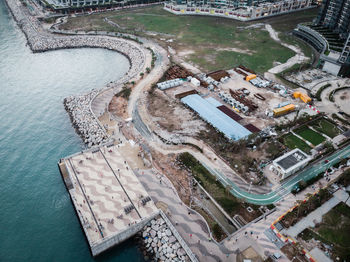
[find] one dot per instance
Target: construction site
(226, 109)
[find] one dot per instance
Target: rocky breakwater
(40, 40)
(78, 107)
(86, 124)
(159, 244)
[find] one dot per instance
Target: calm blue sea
(37, 219)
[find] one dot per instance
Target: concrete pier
(110, 202)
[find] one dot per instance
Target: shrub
(319, 91)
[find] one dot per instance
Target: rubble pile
(78, 107)
(159, 243)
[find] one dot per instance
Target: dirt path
(297, 59)
(156, 73)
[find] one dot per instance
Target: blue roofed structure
(213, 101)
(229, 127)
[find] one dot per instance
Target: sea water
(37, 219)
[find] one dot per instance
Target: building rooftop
(291, 159)
(106, 193)
(225, 124)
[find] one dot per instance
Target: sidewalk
(316, 216)
(192, 227)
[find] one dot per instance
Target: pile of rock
(78, 107)
(159, 244)
(41, 40)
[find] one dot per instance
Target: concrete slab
(319, 255)
(108, 197)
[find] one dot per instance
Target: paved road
(287, 186)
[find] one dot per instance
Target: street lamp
(251, 182)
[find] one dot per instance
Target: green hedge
(319, 91)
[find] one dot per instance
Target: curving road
(287, 186)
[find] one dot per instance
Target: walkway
(316, 216)
(191, 227)
(195, 225)
(299, 57)
(288, 185)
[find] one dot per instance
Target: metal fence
(182, 242)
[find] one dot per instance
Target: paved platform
(111, 203)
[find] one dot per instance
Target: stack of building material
(169, 84)
(303, 97)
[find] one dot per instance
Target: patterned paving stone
(104, 186)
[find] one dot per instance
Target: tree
(142, 74)
(148, 70)
(228, 189)
(299, 204)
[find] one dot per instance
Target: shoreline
(40, 40)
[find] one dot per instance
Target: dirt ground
(172, 116)
(249, 254)
(342, 99)
(257, 117)
(173, 119)
(118, 107)
(166, 164)
(243, 160)
(291, 251)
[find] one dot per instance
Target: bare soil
(166, 164)
(118, 107)
(291, 251)
(242, 159)
(171, 115)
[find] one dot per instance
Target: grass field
(326, 127)
(334, 230)
(210, 43)
(223, 197)
(291, 141)
(310, 135)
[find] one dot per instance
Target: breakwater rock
(159, 244)
(79, 107)
(40, 40)
(86, 124)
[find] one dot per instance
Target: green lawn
(291, 141)
(310, 135)
(326, 127)
(285, 23)
(223, 197)
(207, 35)
(335, 229)
(210, 39)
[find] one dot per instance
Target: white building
(291, 162)
(195, 81)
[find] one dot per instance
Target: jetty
(111, 203)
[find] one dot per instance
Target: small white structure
(291, 162)
(169, 84)
(195, 81)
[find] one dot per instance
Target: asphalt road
(287, 186)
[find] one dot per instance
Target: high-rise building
(243, 10)
(330, 35)
(335, 15)
(67, 6)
